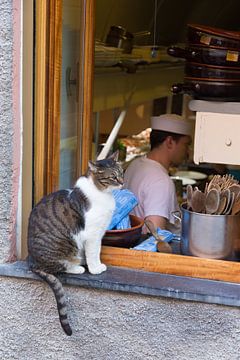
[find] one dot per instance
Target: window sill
(142, 282)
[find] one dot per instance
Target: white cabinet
(217, 133)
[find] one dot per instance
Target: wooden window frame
(47, 70)
(48, 58)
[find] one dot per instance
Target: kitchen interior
(158, 56)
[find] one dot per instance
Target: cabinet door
(217, 138)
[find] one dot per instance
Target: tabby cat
(66, 228)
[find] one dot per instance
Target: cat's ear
(92, 166)
(114, 156)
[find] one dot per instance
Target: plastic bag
(150, 244)
(125, 202)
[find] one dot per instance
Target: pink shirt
(154, 189)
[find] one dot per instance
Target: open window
(66, 121)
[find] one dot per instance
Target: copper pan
(211, 36)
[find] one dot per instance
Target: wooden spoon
(227, 194)
(212, 201)
(222, 204)
(198, 201)
(236, 207)
(230, 205)
(162, 246)
(235, 188)
(189, 191)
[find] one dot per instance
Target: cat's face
(107, 174)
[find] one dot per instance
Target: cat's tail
(58, 291)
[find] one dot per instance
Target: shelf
(113, 85)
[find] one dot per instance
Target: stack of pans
(212, 68)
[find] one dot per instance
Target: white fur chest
(98, 217)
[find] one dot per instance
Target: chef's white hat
(172, 123)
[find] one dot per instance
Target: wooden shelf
(112, 86)
(189, 266)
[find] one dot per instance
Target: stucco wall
(112, 326)
(7, 221)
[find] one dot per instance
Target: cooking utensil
(236, 207)
(227, 194)
(198, 201)
(212, 201)
(185, 180)
(189, 191)
(209, 236)
(119, 37)
(214, 186)
(195, 175)
(228, 210)
(210, 72)
(162, 246)
(207, 55)
(209, 90)
(211, 36)
(235, 188)
(222, 204)
(125, 238)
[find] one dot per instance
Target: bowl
(125, 238)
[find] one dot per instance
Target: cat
(66, 227)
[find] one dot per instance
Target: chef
(147, 176)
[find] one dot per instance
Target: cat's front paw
(75, 269)
(97, 269)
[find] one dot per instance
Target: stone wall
(112, 326)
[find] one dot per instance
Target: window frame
(45, 59)
(47, 93)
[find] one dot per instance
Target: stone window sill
(142, 282)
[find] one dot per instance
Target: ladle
(162, 246)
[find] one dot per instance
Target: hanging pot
(211, 72)
(210, 36)
(119, 37)
(207, 55)
(209, 90)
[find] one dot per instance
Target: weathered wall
(112, 326)
(6, 126)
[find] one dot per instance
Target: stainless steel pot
(209, 236)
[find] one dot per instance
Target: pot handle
(177, 52)
(179, 88)
(177, 215)
(182, 53)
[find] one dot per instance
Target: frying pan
(207, 55)
(211, 36)
(210, 72)
(209, 90)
